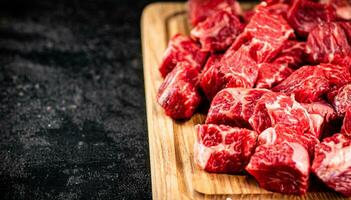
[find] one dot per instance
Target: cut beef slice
(223, 149)
(346, 126)
(309, 83)
(321, 108)
(266, 34)
(178, 94)
(234, 106)
(281, 133)
(199, 10)
(282, 167)
(271, 74)
(342, 8)
(332, 163)
(293, 54)
(273, 2)
(327, 42)
(213, 59)
(277, 108)
(323, 116)
(236, 69)
(305, 15)
(218, 31)
(182, 49)
(279, 9)
(342, 100)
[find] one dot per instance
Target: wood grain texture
(173, 171)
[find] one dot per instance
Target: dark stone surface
(72, 108)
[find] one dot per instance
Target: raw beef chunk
(280, 133)
(321, 108)
(304, 15)
(338, 75)
(342, 7)
(212, 80)
(309, 83)
(293, 54)
(182, 49)
(282, 167)
(326, 42)
(234, 106)
(178, 94)
(239, 69)
(332, 163)
(276, 108)
(272, 2)
(342, 100)
(345, 61)
(279, 9)
(218, 31)
(318, 124)
(236, 69)
(267, 33)
(199, 10)
(223, 149)
(271, 74)
(212, 60)
(323, 116)
(247, 16)
(347, 27)
(346, 126)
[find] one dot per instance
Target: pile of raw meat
(278, 82)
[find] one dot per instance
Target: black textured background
(72, 108)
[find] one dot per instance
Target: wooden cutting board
(173, 172)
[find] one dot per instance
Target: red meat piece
(326, 42)
(318, 124)
(282, 167)
(306, 83)
(266, 33)
(346, 126)
(309, 83)
(248, 15)
(342, 100)
(271, 74)
(338, 75)
(293, 54)
(332, 163)
(272, 2)
(213, 59)
(182, 49)
(178, 94)
(199, 10)
(276, 108)
(304, 15)
(280, 133)
(218, 31)
(323, 116)
(347, 27)
(279, 9)
(342, 8)
(234, 106)
(345, 62)
(236, 69)
(212, 81)
(321, 108)
(223, 149)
